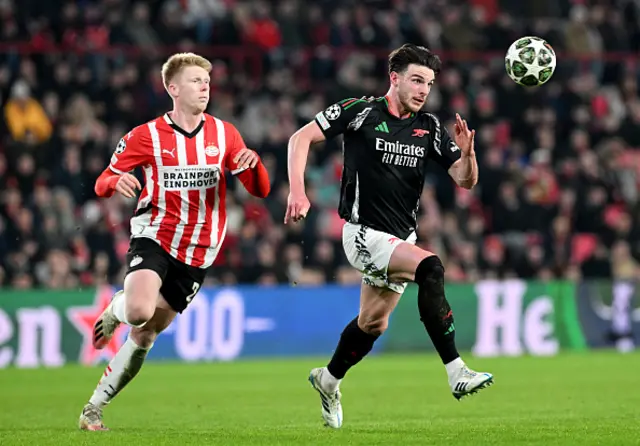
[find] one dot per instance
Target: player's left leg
(410, 263)
(125, 365)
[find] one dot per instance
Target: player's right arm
(130, 153)
(336, 119)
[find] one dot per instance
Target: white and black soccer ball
(530, 61)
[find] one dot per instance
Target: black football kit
(384, 161)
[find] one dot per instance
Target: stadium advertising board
(39, 328)
(493, 318)
(497, 318)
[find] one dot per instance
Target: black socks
(354, 345)
(435, 312)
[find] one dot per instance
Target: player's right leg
(356, 341)
(365, 249)
(135, 305)
(125, 365)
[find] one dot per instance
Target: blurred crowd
(559, 165)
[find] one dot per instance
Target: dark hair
(407, 54)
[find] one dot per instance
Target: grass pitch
(581, 399)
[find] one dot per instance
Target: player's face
(192, 88)
(414, 86)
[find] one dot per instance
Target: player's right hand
(127, 185)
(297, 207)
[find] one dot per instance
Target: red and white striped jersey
(182, 204)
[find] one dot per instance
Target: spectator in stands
(25, 116)
(559, 187)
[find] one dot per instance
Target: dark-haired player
(387, 144)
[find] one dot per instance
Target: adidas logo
(382, 128)
(461, 386)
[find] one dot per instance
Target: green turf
(591, 398)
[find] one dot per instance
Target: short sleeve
(343, 116)
(133, 150)
(444, 151)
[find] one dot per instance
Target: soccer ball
(530, 61)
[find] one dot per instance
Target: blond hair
(177, 62)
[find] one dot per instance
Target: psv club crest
(211, 150)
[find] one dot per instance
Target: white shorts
(369, 251)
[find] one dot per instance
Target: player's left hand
(464, 137)
(246, 159)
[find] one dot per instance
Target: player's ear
(393, 78)
(172, 89)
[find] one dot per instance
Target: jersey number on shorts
(195, 287)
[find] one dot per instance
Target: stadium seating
(560, 166)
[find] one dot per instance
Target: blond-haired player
(180, 220)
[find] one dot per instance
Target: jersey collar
(385, 98)
(179, 129)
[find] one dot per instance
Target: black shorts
(180, 282)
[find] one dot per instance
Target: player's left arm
(246, 165)
(464, 171)
(456, 157)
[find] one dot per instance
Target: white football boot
(331, 407)
(465, 382)
(105, 326)
(91, 419)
